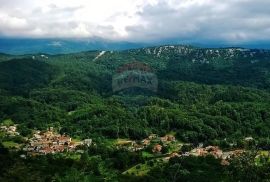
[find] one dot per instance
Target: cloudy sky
(138, 20)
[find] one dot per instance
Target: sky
(232, 21)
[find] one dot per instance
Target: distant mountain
(233, 66)
(58, 46)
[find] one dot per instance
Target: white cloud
(9, 22)
(138, 20)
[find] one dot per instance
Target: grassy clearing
(11, 144)
(123, 141)
(143, 169)
(76, 140)
(264, 153)
(147, 154)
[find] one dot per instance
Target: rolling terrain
(214, 96)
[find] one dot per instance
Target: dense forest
(203, 96)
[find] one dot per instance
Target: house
(163, 139)
(87, 142)
(171, 138)
(200, 145)
(186, 154)
(64, 140)
(174, 154)
(167, 138)
(198, 152)
(146, 142)
(12, 128)
(224, 162)
(45, 150)
(152, 136)
(214, 151)
(226, 155)
(157, 148)
(237, 153)
(37, 136)
(3, 128)
(23, 156)
(248, 139)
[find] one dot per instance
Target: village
(47, 142)
(51, 142)
(160, 142)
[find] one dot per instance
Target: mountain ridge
(70, 45)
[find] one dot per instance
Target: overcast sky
(138, 20)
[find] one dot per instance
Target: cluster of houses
(157, 148)
(214, 151)
(153, 138)
(46, 142)
(167, 139)
(10, 130)
(49, 142)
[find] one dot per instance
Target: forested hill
(203, 94)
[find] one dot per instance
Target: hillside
(187, 77)
(210, 96)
